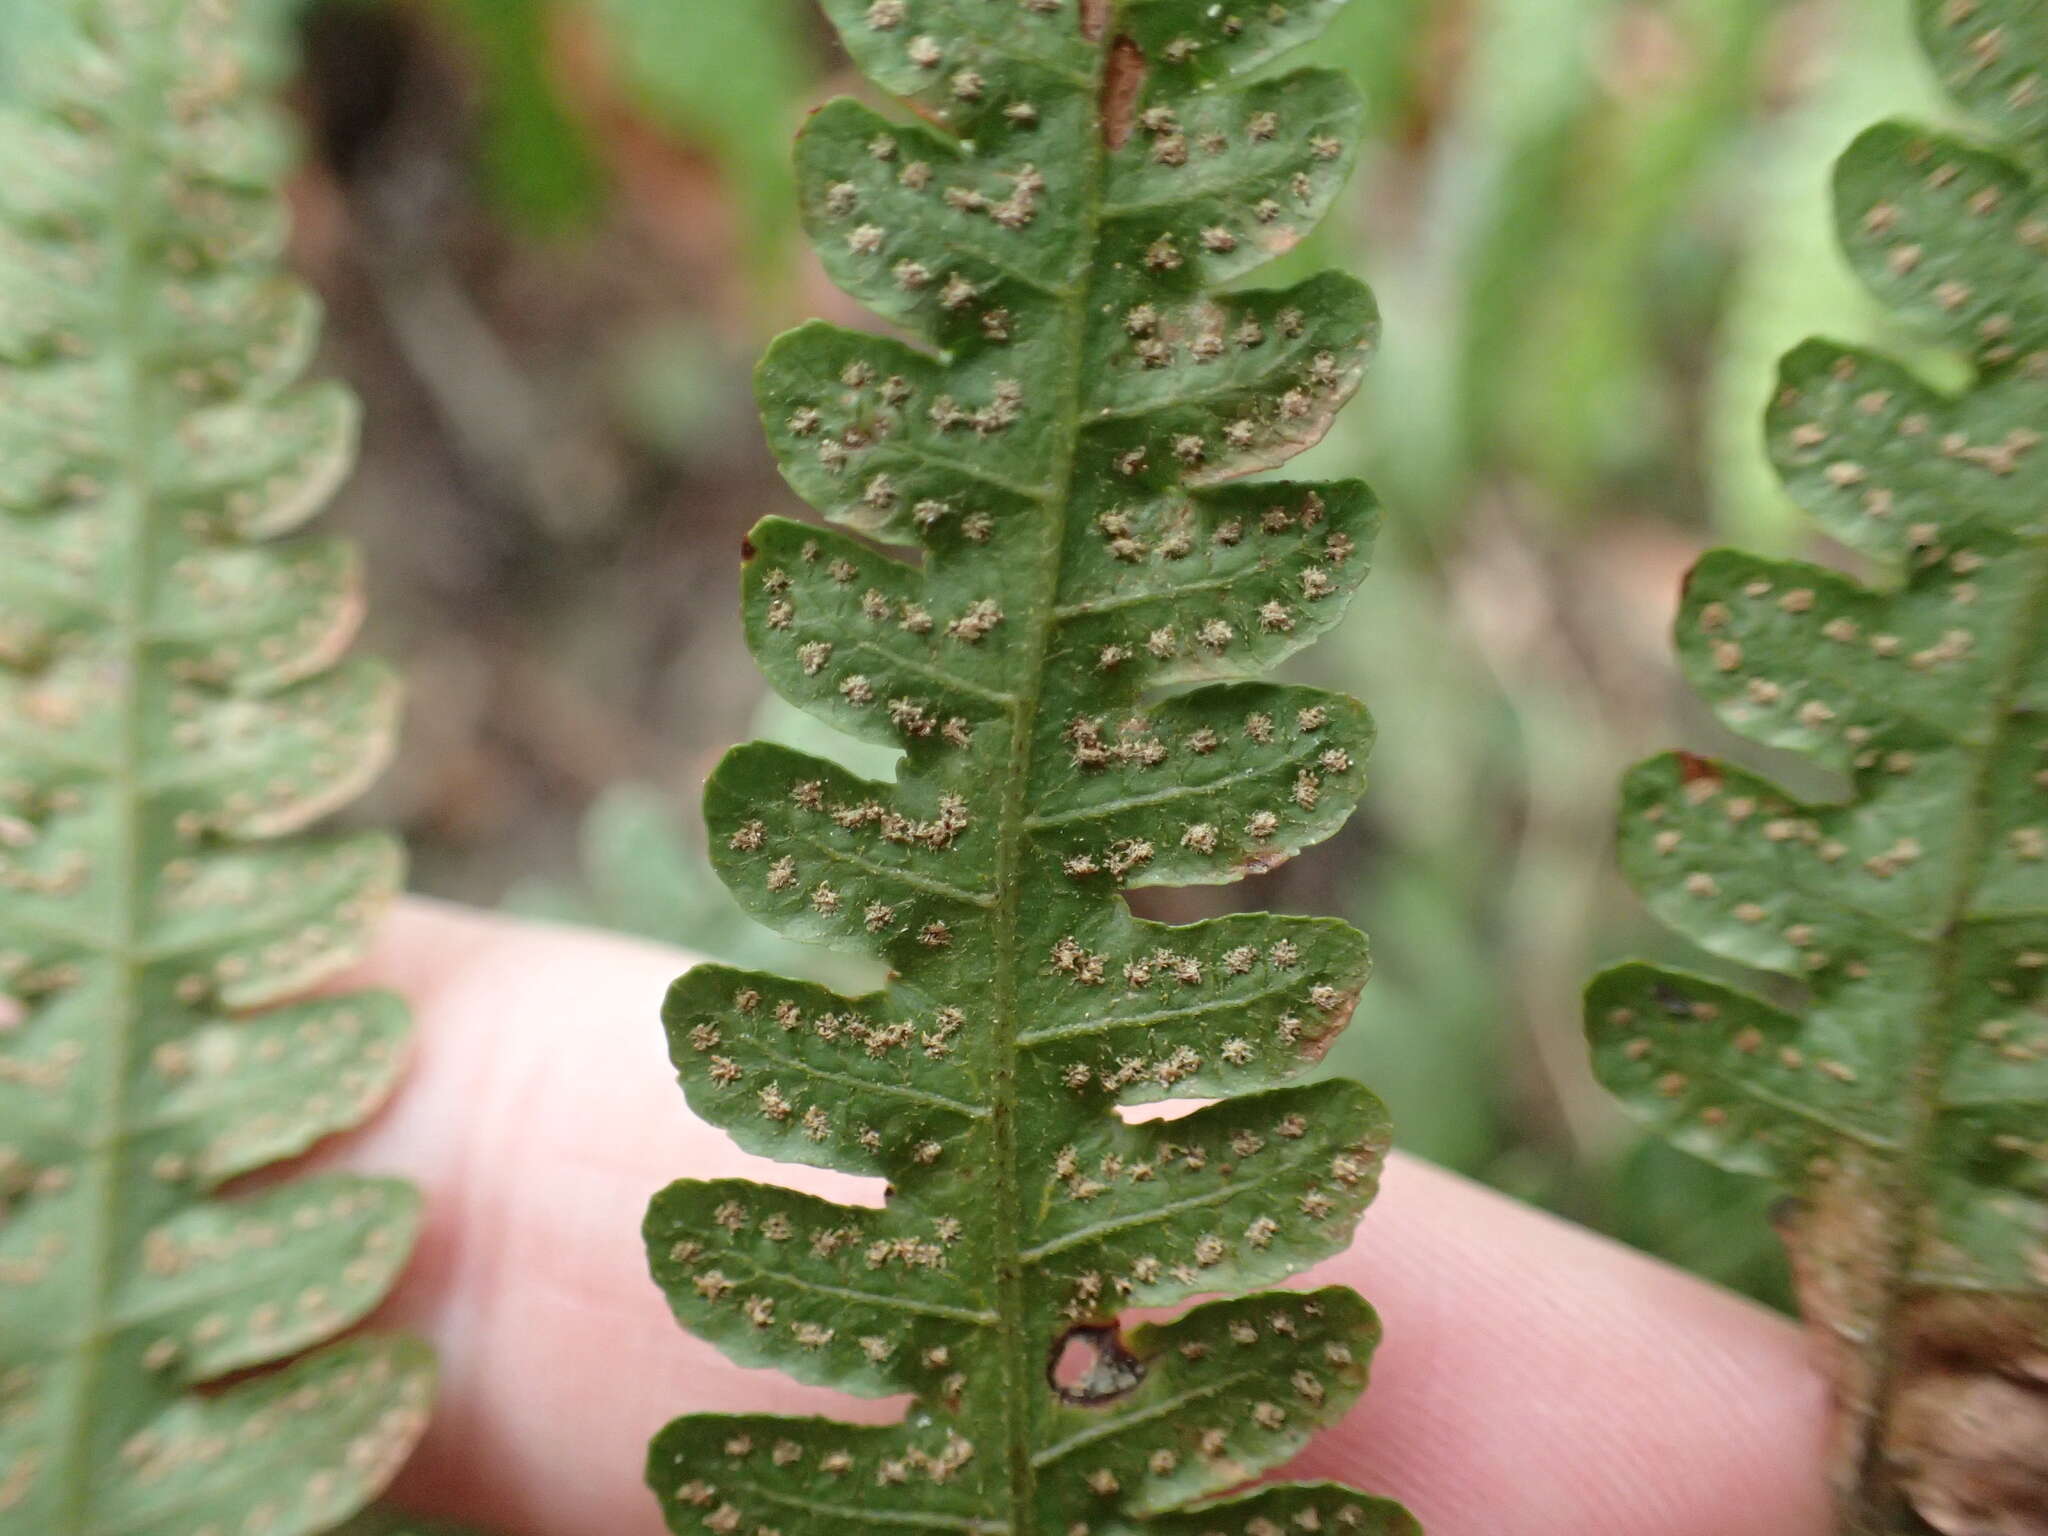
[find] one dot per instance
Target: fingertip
(1535, 1380)
(1538, 1380)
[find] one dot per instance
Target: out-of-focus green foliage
(1792, 281)
(641, 875)
(1888, 1067)
(1557, 205)
(176, 709)
(728, 78)
(539, 166)
(1491, 189)
(1700, 1217)
(1381, 46)
(1575, 380)
(645, 873)
(537, 163)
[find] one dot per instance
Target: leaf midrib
(146, 85)
(1909, 1191)
(1013, 835)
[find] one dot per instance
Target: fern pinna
(173, 703)
(1056, 227)
(1894, 1077)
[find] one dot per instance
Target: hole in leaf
(1263, 863)
(1162, 1109)
(1089, 1366)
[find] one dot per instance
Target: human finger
(1535, 1380)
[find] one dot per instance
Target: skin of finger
(1535, 1380)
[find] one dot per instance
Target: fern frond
(174, 709)
(1066, 670)
(1895, 1078)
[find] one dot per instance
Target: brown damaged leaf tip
(1696, 769)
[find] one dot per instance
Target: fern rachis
(1089, 174)
(173, 706)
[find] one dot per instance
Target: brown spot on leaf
(1122, 82)
(1315, 1047)
(1672, 1001)
(1094, 19)
(1692, 769)
(747, 551)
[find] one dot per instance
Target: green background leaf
(1894, 1075)
(175, 710)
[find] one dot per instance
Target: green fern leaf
(1895, 1079)
(173, 705)
(1067, 671)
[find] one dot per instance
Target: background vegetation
(554, 233)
